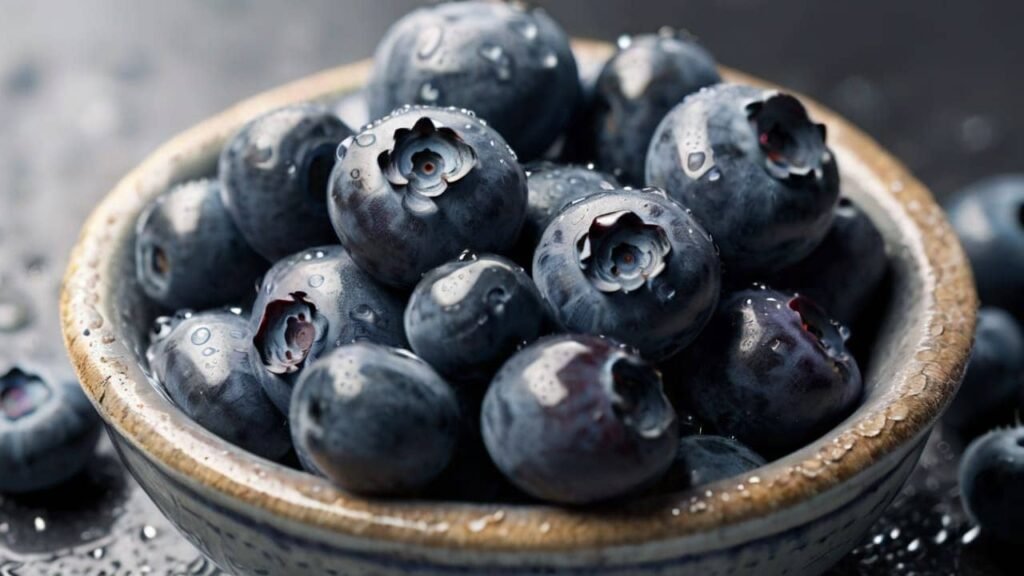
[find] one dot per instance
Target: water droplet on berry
(501, 61)
(525, 28)
(200, 336)
(624, 41)
(714, 175)
(550, 60)
(428, 93)
(316, 281)
(365, 139)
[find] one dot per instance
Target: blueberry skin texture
(989, 219)
(702, 460)
(205, 365)
(375, 420)
(845, 270)
(658, 308)
(418, 188)
(994, 376)
(757, 374)
(991, 476)
(274, 174)
(636, 89)
(311, 302)
(551, 187)
(468, 316)
(48, 429)
(768, 204)
(510, 65)
(575, 419)
(189, 253)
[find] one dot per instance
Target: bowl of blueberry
(503, 302)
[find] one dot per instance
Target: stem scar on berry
(21, 394)
(827, 333)
(622, 252)
(793, 145)
(289, 332)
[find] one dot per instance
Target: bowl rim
(113, 382)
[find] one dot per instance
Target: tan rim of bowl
(940, 338)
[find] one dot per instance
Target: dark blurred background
(88, 89)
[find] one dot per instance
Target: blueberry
(631, 265)
(188, 251)
(637, 88)
(989, 218)
(204, 363)
(770, 369)
(48, 429)
(702, 460)
(311, 302)
(467, 316)
(552, 187)
(274, 176)
(575, 419)
(375, 420)
(994, 377)
(991, 476)
(513, 66)
(845, 270)
(754, 169)
(417, 188)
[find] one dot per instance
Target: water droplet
(200, 336)
(316, 281)
(467, 256)
(549, 60)
(261, 152)
(714, 175)
(354, 174)
(365, 139)
(428, 93)
(624, 41)
(40, 524)
(429, 41)
(502, 62)
(971, 535)
(98, 553)
(209, 351)
(525, 28)
(695, 161)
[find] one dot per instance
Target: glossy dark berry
(48, 429)
(375, 420)
(770, 369)
(205, 365)
(994, 377)
(845, 270)
(274, 176)
(311, 302)
(754, 169)
(511, 65)
(631, 265)
(552, 187)
(421, 186)
(189, 253)
(991, 476)
(702, 460)
(575, 419)
(469, 315)
(637, 88)
(989, 218)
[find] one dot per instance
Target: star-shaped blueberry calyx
(792, 144)
(621, 252)
(424, 161)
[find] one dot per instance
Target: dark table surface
(87, 89)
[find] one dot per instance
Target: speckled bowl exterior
(798, 515)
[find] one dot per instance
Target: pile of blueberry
(514, 284)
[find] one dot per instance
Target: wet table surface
(87, 89)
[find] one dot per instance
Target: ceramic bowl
(797, 515)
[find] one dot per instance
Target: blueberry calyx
(288, 333)
(637, 398)
(621, 251)
(424, 161)
(829, 335)
(793, 145)
(21, 394)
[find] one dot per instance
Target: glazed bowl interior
(916, 362)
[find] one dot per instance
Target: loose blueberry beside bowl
(467, 316)
(204, 363)
(311, 302)
(631, 265)
(417, 188)
(989, 218)
(48, 429)
(375, 420)
(702, 460)
(755, 170)
(637, 88)
(274, 175)
(576, 419)
(771, 369)
(190, 254)
(513, 66)
(991, 476)
(994, 379)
